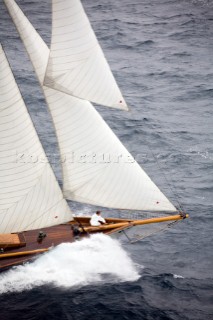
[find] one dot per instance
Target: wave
(92, 260)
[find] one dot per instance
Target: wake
(92, 260)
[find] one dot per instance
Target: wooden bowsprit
(133, 223)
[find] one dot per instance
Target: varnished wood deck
(26, 242)
(55, 236)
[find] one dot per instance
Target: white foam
(73, 264)
(177, 276)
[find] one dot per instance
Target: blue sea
(161, 53)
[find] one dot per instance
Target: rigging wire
(171, 187)
(162, 229)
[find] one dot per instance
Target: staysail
(77, 65)
(97, 168)
(30, 196)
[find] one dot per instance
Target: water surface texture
(161, 53)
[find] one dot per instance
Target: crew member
(96, 219)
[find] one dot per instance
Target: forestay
(77, 65)
(97, 168)
(30, 196)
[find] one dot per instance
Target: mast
(30, 197)
(97, 168)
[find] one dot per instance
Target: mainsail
(77, 65)
(97, 168)
(30, 197)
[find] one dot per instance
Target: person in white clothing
(96, 219)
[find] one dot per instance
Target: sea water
(161, 52)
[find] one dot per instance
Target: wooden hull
(19, 248)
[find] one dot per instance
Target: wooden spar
(22, 253)
(133, 223)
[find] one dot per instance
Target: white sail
(77, 65)
(30, 197)
(97, 169)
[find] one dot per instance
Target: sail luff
(97, 168)
(30, 196)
